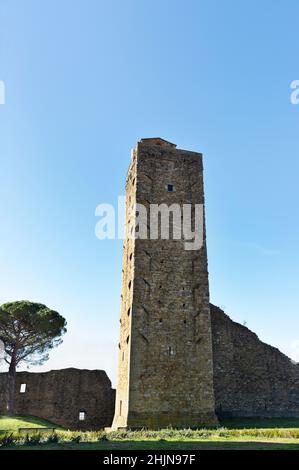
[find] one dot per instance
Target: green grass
(260, 423)
(9, 423)
(170, 445)
(269, 434)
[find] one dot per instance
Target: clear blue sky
(84, 81)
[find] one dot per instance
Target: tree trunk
(11, 386)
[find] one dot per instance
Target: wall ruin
(60, 395)
(251, 378)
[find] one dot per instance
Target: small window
(171, 351)
(129, 285)
(128, 312)
(128, 339)
(23, 388)
(82, 416)
(170, 188)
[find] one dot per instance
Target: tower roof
(157, 141)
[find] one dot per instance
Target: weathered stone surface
(165, 351)
(251, 378)
(60, 395)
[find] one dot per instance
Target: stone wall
(124, 350)
(60, 395)
(251, 378)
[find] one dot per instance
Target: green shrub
(7, 440)
(52, 438)
(32, 439)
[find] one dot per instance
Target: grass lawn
(8, 423)
(213, 444)
(267, 423)
(260, 434)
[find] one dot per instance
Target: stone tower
(165, 375)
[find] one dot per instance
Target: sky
(84, 81)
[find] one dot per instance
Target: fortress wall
(59, 396)
(251, 378)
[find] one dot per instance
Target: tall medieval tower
(165, 375)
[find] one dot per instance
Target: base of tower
(164, 420)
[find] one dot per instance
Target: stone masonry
(165, 352)
(251, 378)
(63, 397)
